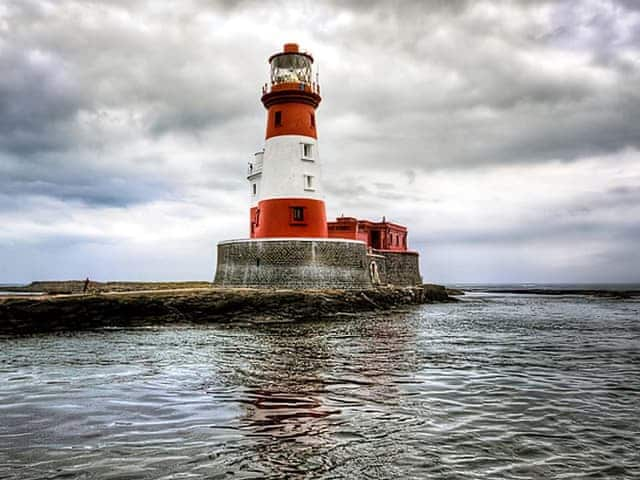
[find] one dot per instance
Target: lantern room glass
(291, 68)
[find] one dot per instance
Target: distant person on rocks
(86, 285)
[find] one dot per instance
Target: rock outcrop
(19, 316)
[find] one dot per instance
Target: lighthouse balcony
(253, 171)
(254, 168)
(297, 86)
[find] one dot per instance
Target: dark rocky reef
(454, 291)
(619, 294)
(21, 316)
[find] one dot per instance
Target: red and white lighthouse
(285, 183)
(291, 244)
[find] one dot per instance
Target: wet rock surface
(20, 316)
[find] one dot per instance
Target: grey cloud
(533, 233)
(118, 103)
(109, 192)
(591, 217)
(38, 99)
(616, 199)
(75, 93)
(81, 180)
(625, 191)
(632, 5)
(531, 114)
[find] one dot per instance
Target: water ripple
(498, 386)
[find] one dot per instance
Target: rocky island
(64, 307)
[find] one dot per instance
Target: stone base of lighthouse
(311, 263)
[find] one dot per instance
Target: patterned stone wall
(293, 263)
(312, 263)
(401, 268)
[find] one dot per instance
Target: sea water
(495, 386)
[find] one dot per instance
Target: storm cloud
(505, 134)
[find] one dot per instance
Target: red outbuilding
(382, 236)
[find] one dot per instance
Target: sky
(504, 134)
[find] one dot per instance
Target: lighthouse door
(375, 240)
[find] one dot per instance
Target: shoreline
(21, 315)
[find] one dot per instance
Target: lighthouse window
(308, 182)
(278, 119)
(297, 213)
(255, 188)
(291, 68)
(313, 120)
(307, 151)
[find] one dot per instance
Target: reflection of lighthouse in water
(286, 195)
(304, 391)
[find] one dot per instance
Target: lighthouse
(291, 244)
(284, 179)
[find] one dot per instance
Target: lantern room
(292, 69)
(291, 66)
